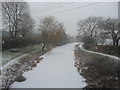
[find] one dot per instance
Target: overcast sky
(71, 12)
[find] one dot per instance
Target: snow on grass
(55, 71)
(8, 56)
(110, 56)
(12, 62)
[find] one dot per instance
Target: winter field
(55, 71)
(8, 56)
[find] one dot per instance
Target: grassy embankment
(7, 56)
(14, 73)
(99, 71)
(107, 49)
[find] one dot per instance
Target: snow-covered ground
(14, 61)
(55, 71)
(110, 56)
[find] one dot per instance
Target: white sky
(40, 9)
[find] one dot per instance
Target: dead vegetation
(15, 72)
(107, 49)
(99, 71)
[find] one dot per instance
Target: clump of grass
(20, 78)
(38, 59)
(103, 71)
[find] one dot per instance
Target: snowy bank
(55, 71)
(98, 53)
(15, 61)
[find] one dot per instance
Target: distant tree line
(93, 27)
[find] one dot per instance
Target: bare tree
(52, 32)
(59, 35)
(89, 26)
(111, 27)
(26, 25)
(13, 13)
(0, 28)
(47, 24)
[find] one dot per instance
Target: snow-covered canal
(55, 71)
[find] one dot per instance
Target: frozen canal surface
(55, 71)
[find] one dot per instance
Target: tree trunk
(117, 42)
(113, 42)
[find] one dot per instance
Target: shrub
(103, 71)
(88, 40)
(20, 79)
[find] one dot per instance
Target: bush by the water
(88, 40)
(103, 72)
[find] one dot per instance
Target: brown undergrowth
(15, 72)
(99, 71)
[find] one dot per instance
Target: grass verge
(7, 56)
(99, 71)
